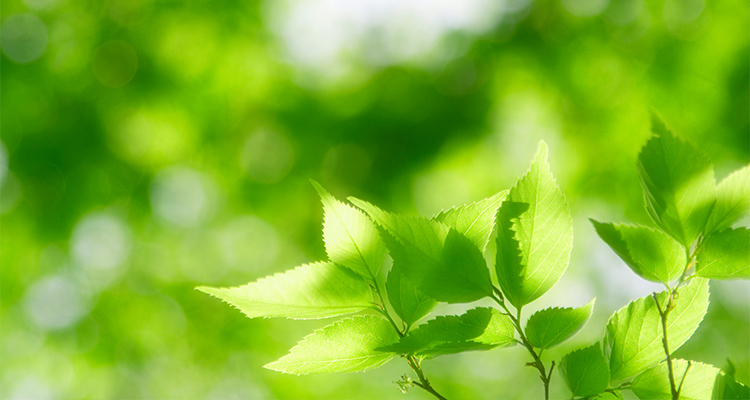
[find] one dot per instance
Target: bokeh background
(152, 146)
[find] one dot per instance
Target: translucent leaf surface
(409, 303)
(651, 254)
(346, 346)
(312, 291)
(552, 326)
(441, 262)
(475, 220)
(350, 237)
(678, 183)
(725, 255)
(732, 201)
(726, 388)
(633, 339)
(653, 384)
(535, 234)
(585, 371)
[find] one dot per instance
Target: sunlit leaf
(409, 303)
(698, 384)
(678, 183)
(727, 388)
(475, 220)
(725, 255)
(732, 201)
(552, 326)
(535, 234)
(585, 371)
(651, 254)
(350, 237)
(346, 346)
(312, 291)
(633, 339)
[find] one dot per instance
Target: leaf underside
(653, 384)
(475, 220)
(725, 255)
(409, 303)
(585, 371)
(732, 201)
(552, 326)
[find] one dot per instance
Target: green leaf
(312, 291)
(478, 329)
(535, 234)
(552, 326)
(409, 303)
(732, 201)
(653, 384)
(725, 255)
(351, 238)
(651, 254)
(475, 220)
(585, 371)
(633, 339)
(726, 387)
(678, 184)
(346, 346)
(442, 263)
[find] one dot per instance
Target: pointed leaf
(312, 291)
(441, 262)
(633, 339)
(485, 327)
(475, 220)
(351, 238)
(653, 384)
(535, 234)
(732, 201)
(726, 388)
(409, 303)
(552, 326)
(725, 255)
(651, 254)
(678, 183)
(346, 346)
(585, 371)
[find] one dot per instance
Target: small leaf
(535, 234)
(484, 327)
(726, 388)
(552, 326)
(409, 303)
(312, 291)
(346, 346)
(653, 384)
(475, 220)
(725, 255)
(441, 262)
(585, 371)
(351, 238)
(633, 339)
(678, 183)
(732, 201)
(651, 254)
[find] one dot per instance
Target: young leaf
(585, 371)
(478, 329)
(633, 339)
(475, 220)
(346, 346)
(351, 238)
(552, 326)
(678, 183)
(312, 291)
(535, 234)
(725, 255)
(409, 303)
(651, 254)
(653, 384)
(441, 262)
(726, 387)
(732, 201)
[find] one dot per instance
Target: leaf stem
(664, 313)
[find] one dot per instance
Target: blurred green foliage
(151, 146)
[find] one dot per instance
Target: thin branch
(663, 313)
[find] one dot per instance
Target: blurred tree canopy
(151, 146)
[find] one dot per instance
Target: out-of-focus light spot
(10, 192)
(627, 21)
(201, 257)
(55, 302)
(31, 387)
(115, 63)
(188, 47)
(182, 197)
(623, 12)
(249, 243)
(439, 190)
(348, 164)
(52, 258)
(235, 388)
(40, 4)
(24, 38)
(267, 157)
(680, 15)
(585, 8)
(3, 162)
(100, 241)
(129, 12)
